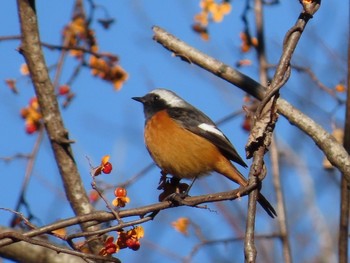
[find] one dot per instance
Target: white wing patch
(211, 129)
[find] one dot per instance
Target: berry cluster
(32, 116)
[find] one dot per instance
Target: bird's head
(160, 99)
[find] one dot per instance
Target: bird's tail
(227, 169)
(267, 206)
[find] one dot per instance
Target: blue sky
(103, 121)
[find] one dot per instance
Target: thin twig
(314, 78)
(66, 48)
(27, 176)
(115, 213)
(120, 226)
(281, 208)
(60, 63)
(15, 156)
(197, 247)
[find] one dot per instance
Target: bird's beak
(139, 99)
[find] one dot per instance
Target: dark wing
(199, 123)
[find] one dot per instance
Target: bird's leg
(162, 181)
(179, 190)
(182, 189)
(190, 186)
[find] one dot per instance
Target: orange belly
(178, 151)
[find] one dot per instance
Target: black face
(152, 103)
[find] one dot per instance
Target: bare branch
(58, 135)
(334, 151)
(314, 78)
(345, 185)
(28, 173)
(281, 209)
(44, 244)
(197, 247)
(266, 115)
(151, 211)
(26, 252)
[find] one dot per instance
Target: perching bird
(186, 143)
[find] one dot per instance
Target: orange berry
(24, 113)
(24, 69)
(120, 192)
(340, 87)
(33, 102)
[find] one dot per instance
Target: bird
(185, 143)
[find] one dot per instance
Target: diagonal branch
(58, 135)
(334, 151)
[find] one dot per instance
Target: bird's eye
(156, 97)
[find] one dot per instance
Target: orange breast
(178, 151)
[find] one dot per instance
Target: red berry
(94, 196)
(31, 128)
(120, 192)
(133, 244)
(63, 90)
(246, 125)
(107, 168)
(110, 248)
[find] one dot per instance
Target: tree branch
(58, 135)
(26, 252)
(281, 208)
(16, 236)
(99, 217)
(345, 185)
(334, 151)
